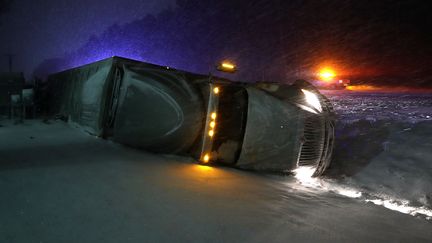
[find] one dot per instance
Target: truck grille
(318, 143)
(313, 143)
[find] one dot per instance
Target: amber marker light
(213, 115)
(211, 133)
(216, 90)
(206, 158)
(213, 124)
(227, 67)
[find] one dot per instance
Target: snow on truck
(255, 126)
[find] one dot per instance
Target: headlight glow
(312, 100)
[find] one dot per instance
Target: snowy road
(61, 185)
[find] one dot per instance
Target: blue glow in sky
(35, 30)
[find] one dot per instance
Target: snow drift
(384, 149)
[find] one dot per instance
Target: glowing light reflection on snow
(303, 174)
(402, 207)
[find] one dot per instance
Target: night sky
(382, 43)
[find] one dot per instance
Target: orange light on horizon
(387, 89)
(363, 88)
(326, 74)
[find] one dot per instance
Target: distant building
(11, 83)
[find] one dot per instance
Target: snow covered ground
(397, 107)
(384, 149)
(59, 184)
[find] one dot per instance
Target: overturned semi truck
(254, 126)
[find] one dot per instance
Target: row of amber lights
(212, 124)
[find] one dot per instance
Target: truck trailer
(255, 126)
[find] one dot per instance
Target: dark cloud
(4, 5)
(383, 42)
